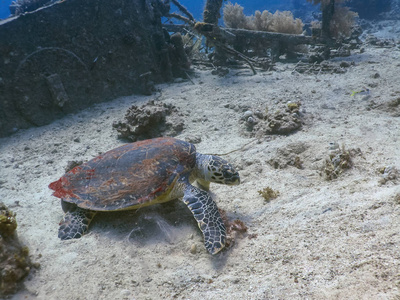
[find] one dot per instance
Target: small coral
(294, 106)
(14, 258)
(234, 16)
(397, 198)
(233, 228)
(268, 193)
(342, 19)
(389, 173)
(8, 223)
(342, 22)
(263, 20)
(337, 162)
(282, 22)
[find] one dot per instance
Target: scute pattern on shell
(126, 176)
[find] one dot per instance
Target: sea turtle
(140, 174)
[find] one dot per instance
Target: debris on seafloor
(150, 120)
(397, 198)
(234, 229)
(15, 263)
(393, 106)
(289, 155)
(323, 67)
(339, 160)
(268, 193)
(389, 173)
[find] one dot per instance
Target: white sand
(318, 240)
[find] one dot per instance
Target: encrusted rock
(289, 156)
(193, 139)
(284, 121)
(149, 121)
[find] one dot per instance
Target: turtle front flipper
(208, 217)
(75, 223)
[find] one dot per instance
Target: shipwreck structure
(67, 56)
(71, 54)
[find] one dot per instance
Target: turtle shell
(128, 176)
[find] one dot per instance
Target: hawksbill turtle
(141, 174)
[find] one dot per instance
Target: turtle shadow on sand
(169, 223)
(166, 223)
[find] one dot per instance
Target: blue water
(300, 8)
(196, 7)
(4, 11)
(250, 6)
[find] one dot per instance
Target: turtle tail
(75, 223)
(207, 216)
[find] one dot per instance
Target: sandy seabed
(318, 239)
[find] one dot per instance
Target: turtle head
(215, 169)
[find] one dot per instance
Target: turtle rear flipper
(207, 216)
(75, 223)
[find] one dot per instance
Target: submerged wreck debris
(49, 77)
(19, 7)
(275, 36)
(15, 263)
(337, 20)
(379, 42)
(149, 121)
(268, 193)
(283, 121)
(324, 67)
(179, 60)
(339, 160)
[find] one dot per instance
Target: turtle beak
(234, 179)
